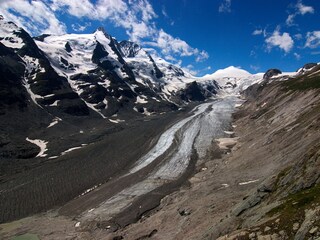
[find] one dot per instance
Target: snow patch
(73, 148)
(116, 120)
(146, 112)
(40, 143)
(54, 122)
(248, 182)
(226, 143)
(91, 210)
(55, 104)
(265, 103)
(141, 100)
(229, 132)
(90, 190)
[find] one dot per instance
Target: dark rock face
(68, 47)
(309, 65)
(41, 37)
(193, 92)
(33, 69)
(306, 67)
(98, 53)
(129, 49)
(271, 73)
(12, 92)
(198, 93)
(157, 71)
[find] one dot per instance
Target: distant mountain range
(82, 73)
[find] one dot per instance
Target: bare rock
(252, 235)
(271, 73)
(266, 229)
(313, 230)
(295, 226)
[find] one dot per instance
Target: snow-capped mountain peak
(9, 35)
(230, 71)
(233, 79)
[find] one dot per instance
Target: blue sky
(201, 36)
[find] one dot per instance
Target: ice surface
(188, 133)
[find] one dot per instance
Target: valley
(103, 139)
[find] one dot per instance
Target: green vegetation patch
(27, 236)
(298, 202)
(292, 210)
(301, 84)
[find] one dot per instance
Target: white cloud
(260, 31)
(80, 28)
(297, 56)
(102, 10)
(34, 16)
(202, 56)
(298, 36)
(79, 8)
(303, 9)
(190, 69)
(257, 32)
(170, 44)
(254, 68)
(225, 6)
(164, 12)
(300, 9)
(190, 66)
(253, 53)
(290, 19)
(170, 58)
(283, 41)
(313, 39)
(137, 17)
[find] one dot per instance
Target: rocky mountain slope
(262, 181)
